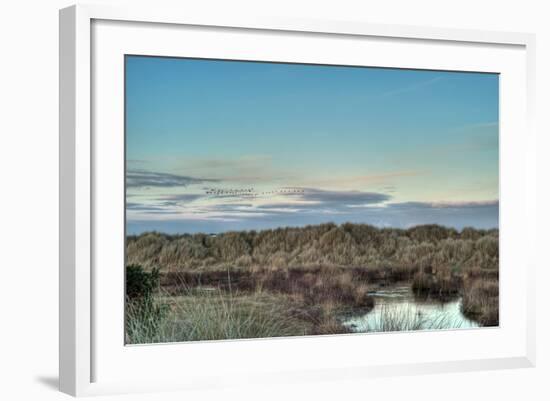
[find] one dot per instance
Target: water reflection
(398, 309)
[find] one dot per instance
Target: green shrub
(144, 315)
(140, 283)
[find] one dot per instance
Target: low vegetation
(295, 281)
(480, 301)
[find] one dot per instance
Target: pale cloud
(143, 178)
(346, 198)
(219, 218)
(365, 180)
(201, 212)
(463, 204)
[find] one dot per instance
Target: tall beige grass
(210, 315)
(328, 245)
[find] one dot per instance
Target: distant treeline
(326, 245)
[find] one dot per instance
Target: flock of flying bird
(251, 192)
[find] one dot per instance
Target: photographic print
(272, 199)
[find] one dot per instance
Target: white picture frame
(85, 350)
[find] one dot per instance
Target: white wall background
(29, 196)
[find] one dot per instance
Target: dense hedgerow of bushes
(328, 245)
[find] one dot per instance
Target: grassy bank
(267, 305)
(213, 315)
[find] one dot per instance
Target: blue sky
(214, 146)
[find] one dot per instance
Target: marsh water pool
(397, 309)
